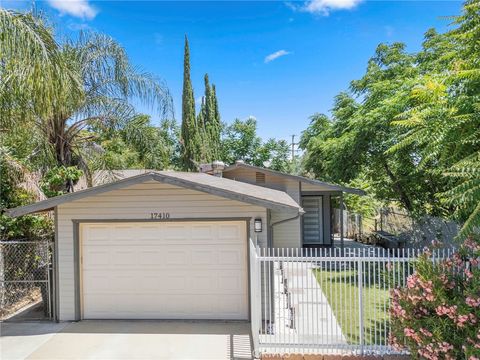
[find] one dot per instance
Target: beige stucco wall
(137, 202)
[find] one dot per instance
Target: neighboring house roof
(332, 187)
(235, 190)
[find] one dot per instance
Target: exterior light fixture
(258, 225)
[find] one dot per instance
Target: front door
(312, 220)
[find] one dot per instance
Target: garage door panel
(203, 256)
(229, 283)
(202, 232)
(124, 258)
(165, 270)
(176, 257)
(151, 256)
(230, 257)
(228, 231)
(171, 283)
(95, 283)
(175, 232)
(96, 258)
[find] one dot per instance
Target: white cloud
(324, 7)
(276, 55)
(78, 8)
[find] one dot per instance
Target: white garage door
(167, 270)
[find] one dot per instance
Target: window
(313, 220)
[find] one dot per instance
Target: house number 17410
(160, 216)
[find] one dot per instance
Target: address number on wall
(160, 215)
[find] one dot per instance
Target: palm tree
(110, 87)
(69, 89)
(30, 66)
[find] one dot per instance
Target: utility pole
(293, 147)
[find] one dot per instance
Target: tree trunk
(62, 147)
(398, 188)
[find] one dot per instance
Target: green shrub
(57, 180)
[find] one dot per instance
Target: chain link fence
(26, 280)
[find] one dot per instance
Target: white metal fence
(326, 301)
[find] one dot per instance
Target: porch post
(341, 223)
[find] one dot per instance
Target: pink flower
(468, 274)
(449, 311)
(471, 244)
(413, 335)
(412, 281)
(470, 301)
(445, 347)
(436, 244)
(426, 332)
(446, 282)
(392, 340)
(398, 311)
(409, 332)
(461, 320)
(457, 260)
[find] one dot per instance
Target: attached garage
(160, 245)
(169, 270)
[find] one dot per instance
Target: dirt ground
(31, 303)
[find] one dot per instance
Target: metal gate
(26, 281)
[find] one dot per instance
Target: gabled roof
(231, 189)
(332, 187)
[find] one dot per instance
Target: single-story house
(174, 245)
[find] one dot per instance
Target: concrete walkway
(126, 340)
(20, 339)
(315, 323)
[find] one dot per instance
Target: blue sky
(277, 61)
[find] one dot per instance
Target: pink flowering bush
(436, 315)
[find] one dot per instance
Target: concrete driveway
(119, 339)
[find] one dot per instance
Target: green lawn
(341, 290)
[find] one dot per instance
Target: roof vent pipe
(217, 168)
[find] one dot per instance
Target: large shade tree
(409, 128)
(444, 119)
(240, 141)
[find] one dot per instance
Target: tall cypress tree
(200, 135)
(189, 132)
(216, 125)
(208, 154)
(208, 102)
